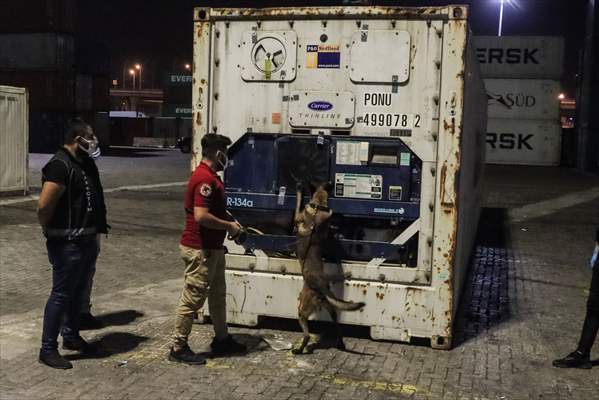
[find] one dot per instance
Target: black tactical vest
(80, 212)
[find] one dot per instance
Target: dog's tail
(342, 304)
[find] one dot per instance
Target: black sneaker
(80, 345)
(574, 360)
(227, 346)
(53, 359)
(187, 356)
(88, 321)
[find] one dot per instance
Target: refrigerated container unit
(388, 105)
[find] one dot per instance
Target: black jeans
(591, 322)
(71, 264)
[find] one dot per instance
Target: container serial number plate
(389, 120)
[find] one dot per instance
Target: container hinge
(254, 35)
(364, 36)
(394, 84)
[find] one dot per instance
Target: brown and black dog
(312, 232)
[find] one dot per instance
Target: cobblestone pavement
(523, 306)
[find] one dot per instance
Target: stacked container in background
(38, 52)
(522, 80)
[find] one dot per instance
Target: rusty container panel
(259, 70)
(472, 161)
(14, 136)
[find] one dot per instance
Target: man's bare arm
(51, 192)
(203, 217)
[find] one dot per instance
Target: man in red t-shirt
(202, 251)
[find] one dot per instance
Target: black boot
(80, 345)
(88, 321)
(574, 360)
(186, 355)
(53, 359)
(227, 346)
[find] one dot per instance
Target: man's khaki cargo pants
(204, 278)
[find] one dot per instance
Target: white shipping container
(14, 136)
(523, 142)
(405, 74)
(36, 52)
(523, 98)
(520, 57)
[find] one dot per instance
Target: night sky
(158, 33)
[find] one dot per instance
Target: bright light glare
(131, 72)
(561, 96)
(137, 66)
(514, 4)
(500, 29)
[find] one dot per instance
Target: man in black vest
(72, 213)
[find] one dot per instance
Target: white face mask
(91, 146)
(219, 158)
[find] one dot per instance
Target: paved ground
(524, 306)
(125, 167)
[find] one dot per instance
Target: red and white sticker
(205, 190)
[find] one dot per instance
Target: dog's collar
(319, 208)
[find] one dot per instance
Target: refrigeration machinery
(384, 103)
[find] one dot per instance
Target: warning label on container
(359, 186)
(323, 56)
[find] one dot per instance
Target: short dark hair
(76, 127)
(212, 142)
